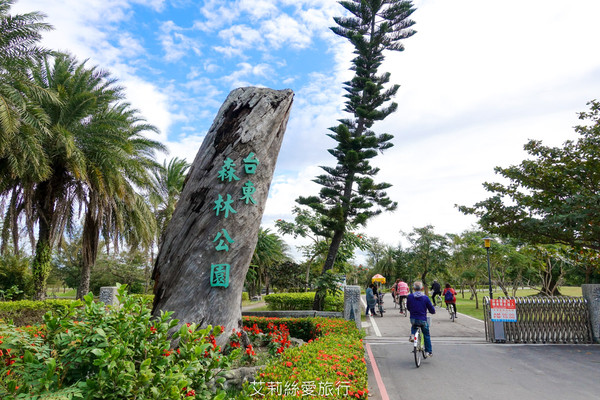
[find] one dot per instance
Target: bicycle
(419, 346)
(437, 299)
(450, 310)
(380, 303)
(403, 309)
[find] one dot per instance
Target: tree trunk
(41, 265)
(89, 250)
(336, 241)
(41, 261)
(252, 120)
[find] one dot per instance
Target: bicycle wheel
(423, 345)
(381, 309)
(452, 315)
(417, 348)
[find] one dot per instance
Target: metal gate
(544, 320)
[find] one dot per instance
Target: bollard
(352, 305)
(592, 295)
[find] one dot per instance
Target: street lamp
(486, 242)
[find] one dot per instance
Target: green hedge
(302, 301)
(28, 312)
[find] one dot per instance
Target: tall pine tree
(349, 195)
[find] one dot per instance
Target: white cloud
(246, 70)
(239, 38)
(284, 30)
(216, 15)
(157, 5)
(175, 43)
(259, 9)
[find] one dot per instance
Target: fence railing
(544, 320)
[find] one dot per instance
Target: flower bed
(330, 365)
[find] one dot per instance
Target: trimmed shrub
(28, 312)
(302, 301)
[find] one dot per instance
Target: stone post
(592, 294)
(352, 305)
(108, 295)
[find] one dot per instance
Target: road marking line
(380, 385)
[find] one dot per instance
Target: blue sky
(478, 80)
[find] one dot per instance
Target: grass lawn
(466, 306)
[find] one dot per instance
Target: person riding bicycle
(402, 291)
(437, 289)
(450, 298)
(418, 304)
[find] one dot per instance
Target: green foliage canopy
(554, 197)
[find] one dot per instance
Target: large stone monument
(207, 247)
(592, 294)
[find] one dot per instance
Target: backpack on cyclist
(448, 297)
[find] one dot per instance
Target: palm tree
(21, 117)
(19, 107)
(119, 159)
(386, 265)
(169, 181)
(96, 155)
(270, 249)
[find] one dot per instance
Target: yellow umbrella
(378, 278)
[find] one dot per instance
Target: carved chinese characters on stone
(224, 206)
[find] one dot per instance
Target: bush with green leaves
(302, 301)
(15, 271)
(100, 352)
(30, 312)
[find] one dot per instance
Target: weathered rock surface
(252, 120)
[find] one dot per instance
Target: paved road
(464, 366)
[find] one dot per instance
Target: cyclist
(437, 289)
(418, 304)
(402, 291)
(450, 298)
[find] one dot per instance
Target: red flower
(288, 364)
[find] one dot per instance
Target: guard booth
(537, 320)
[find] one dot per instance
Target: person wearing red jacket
(450, 298)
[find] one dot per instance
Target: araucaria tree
(349, 194)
